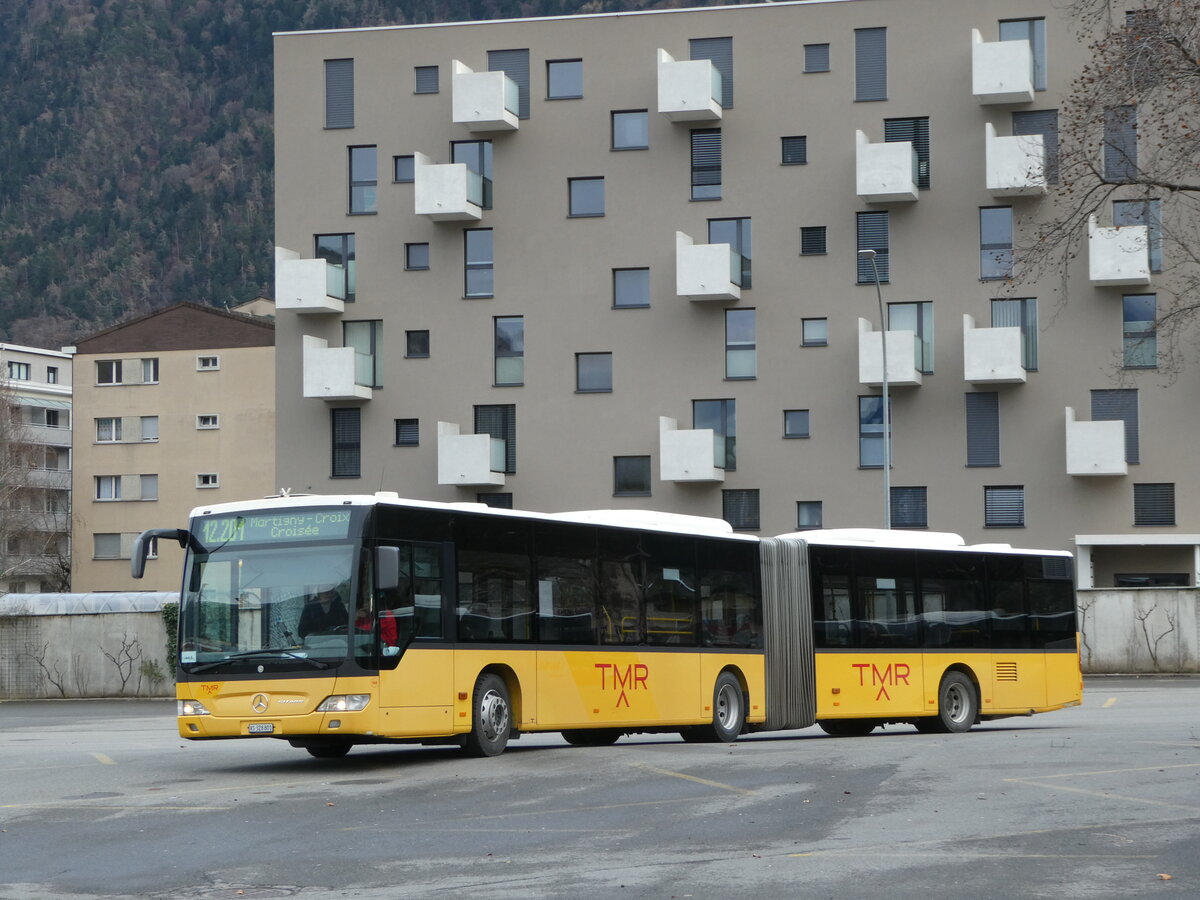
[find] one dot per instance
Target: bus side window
(620, 599)
(834, 621)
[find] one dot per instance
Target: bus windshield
(291, 602)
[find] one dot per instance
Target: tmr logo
(889, 676)
(631, 677)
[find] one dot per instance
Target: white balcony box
(1118, 256)
(447, 192)
(688, 90)
(706, 271)
(303, 285)
(886, 172)
(991, 355)
(1095, 448)
(1016, 165)
(483, 101)
(690, 455)
(902, 357)
(469, 459)
(1001, 71)
(330, 372)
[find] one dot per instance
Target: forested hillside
(136, 148)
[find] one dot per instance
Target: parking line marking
(1109, 702)
(77, 806)
(104, 760)
(704, 781)
(1102, 794)
(957, 852)
(1107, 772)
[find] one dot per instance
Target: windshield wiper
(245, 654)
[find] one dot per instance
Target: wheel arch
(512, 683)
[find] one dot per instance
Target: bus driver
(323, 613)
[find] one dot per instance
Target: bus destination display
(308, 525)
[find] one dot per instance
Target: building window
(416, 257)
(872, 235)
(706, 164)
(108, 487)
(631, 287)
(870, 64)
(917, 318)
(814, 333)
(630, 129)
(477, 253)
(366, 337)
(740, 509)
(983, 428)
(870, 432)
(150, 371)
(910, 507)
(586, 196)
(338, 252)
(339, 93)
(1021, 313)
(363, 180)
(741, 348)
(514, 64)
(916, 132)
(1004, 506)
(812, 240)
(631, 476)
(416, 344)
(1143, 212)
(1120, 144)
(426, 79)
(1045, 123)
(721, 417)
(208, 363)
(149, 426)
(1154, 505)
(495, 499)
(816, 58)
(500, 421)
(108, 371)
(408, 433)
(1120, 405)
(995, 243)
(208, 420)
(718, 51)
(795, 423)
(735, 233)
(564, 79)
(148, 487)
(106, 546)
(19, 371)
(1034, 31)
(593, 373)
(346, 433)
(809, 514)
(795, 150)
(509, 345)
(209, 479)
(404, 169)
(1139, 337)
(477, 157)
(51, 374)
(108, 431)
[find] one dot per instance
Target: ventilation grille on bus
(1006, 671)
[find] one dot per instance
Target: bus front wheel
(958, 706)
(491, 718)
(729, 714)
(328, 749)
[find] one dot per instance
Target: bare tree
(1129, 132)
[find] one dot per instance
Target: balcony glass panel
(512, 97)
(497, 459)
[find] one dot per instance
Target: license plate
(260, 727)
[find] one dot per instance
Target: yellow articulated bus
(340, 620)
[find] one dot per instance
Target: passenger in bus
(747, 633)
(324, 612)
(364, 623)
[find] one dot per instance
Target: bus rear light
(344, 703)
(191, 708)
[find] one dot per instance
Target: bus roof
(905, 540)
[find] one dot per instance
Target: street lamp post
(887, 418)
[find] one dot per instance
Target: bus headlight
(191, 708)
(344, 703)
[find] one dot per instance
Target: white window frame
(113, 483)
(114, 430)
(203, 363)
(206, 480)
(201, 425)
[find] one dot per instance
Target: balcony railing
(1016, 165)
(1095, 448)
(307, 285)
(469, 460)
(688, 90)
(335, 373)
(1118, 256)
(903, 355)
(446, 192)
(1001, 71)
(991, 355)
(886, 172)
(689, 455)
(706, 271)
(484, 101)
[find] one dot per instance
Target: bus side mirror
(141, 546)
(387, 568)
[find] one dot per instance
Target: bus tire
(729, 710)
(328, 749)
(591, 737)
(491, 717)
(958, 705)
(846, 727)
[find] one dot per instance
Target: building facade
(35, 469)
(617, 261)
(176, 409)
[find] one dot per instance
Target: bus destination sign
(304, 525)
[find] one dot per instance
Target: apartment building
(617, 261)
(175, 410)
(35, 469)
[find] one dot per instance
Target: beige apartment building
(35, 469)
(175, 410)
(615, 261)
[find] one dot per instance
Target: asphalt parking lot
(102, 799)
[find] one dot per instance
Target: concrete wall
(1140, 630)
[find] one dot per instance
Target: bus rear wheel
(491, 719)
(846, 727)
(591, 737)
(729, 714)
(958, 706)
